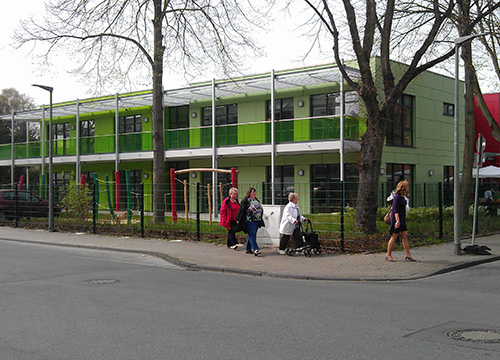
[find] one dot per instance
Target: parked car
(28, 205)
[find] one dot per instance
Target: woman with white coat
(289, 225)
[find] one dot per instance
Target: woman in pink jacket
(228, 211)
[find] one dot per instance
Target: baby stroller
(310, 241)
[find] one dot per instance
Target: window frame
(224, 115)
(64, 128)
(175, 118)
(279, 112)
(125, 121)
(87, 128)
(399, 126)
(328, 108)
(392, 182)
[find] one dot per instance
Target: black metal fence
(198, 208)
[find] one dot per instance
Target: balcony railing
(255, 133)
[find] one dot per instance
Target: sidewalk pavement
(431, 260)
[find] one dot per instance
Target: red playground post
(21, 182)
(172, 196)
(118, 191)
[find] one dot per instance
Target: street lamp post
(51, 182)
(456, 173)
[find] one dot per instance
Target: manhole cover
(478, 336)
(101, 281)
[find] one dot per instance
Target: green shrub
(76, 200)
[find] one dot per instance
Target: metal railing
(254, 133)
(197, 219)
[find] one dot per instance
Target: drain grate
(487, 336)
(101, 281)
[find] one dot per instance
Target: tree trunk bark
(157, 115)
(372, 144)
(469, 137)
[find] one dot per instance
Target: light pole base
(457, 250)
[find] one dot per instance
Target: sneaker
(257, 253)
(234, 247)
(249, 252)
(282, 252)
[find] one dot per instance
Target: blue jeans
(252, 227)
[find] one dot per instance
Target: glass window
(60, 131)
(179, 186)
(400, 130)
(134, 186)
(394, 173)
(223, 179)
(284, 184)
(448, 109)
(178, 117)
(351, 102)
(329, 104)
(283, 109)
(326, 190)
(224, 115)
(130, 124)
(325, 104)
(87, 128)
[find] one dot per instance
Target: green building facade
(114, 134)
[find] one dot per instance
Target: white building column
(117, 127)
(12, 157)
(78, 170)
(273, 141)
(214, 151)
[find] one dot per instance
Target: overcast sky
(19, 70)
(284, 46)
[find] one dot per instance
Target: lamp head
(463, 39)
(47, 88)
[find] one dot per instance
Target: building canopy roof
(176, 97)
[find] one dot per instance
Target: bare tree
(474, 16)
(378, 29)
(113, 38)
(11, 100)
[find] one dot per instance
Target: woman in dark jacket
(249, 219)
(228, 211)
(398, 221)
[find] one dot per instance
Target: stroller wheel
(290, 252)
(307, 252)
(317, 251)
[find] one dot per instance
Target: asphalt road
(65, 303)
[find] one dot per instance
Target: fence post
(141, 199)
(198, 208)
(128, 187)
(440, 199)
(264, 201)
(108, 195)
(96, 194)
(43, 193)
(16, 207)
(425, 194)
(342, 215)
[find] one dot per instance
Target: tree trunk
(372, 144)
(157, 122)
(469, 136)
